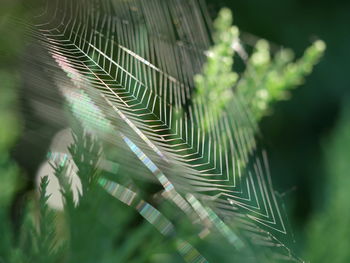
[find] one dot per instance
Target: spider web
(136, 61)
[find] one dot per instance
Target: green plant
(192, 131)
(332, 219)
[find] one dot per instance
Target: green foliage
(269, 78)
(266, 79)
(215, 83)
(96, 226)
(9, 172)
(329, 232)
(99, 228)
(9, 131)
(38, 236)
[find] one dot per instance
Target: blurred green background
(298, 135)
(306, 137)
